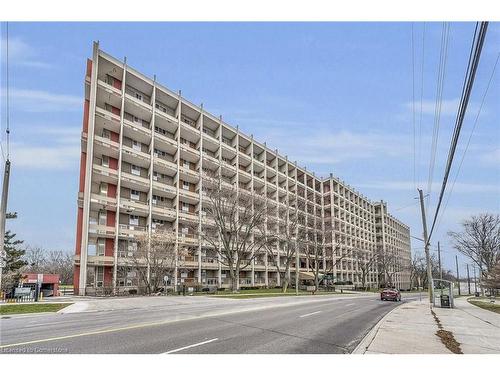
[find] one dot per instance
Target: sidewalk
(476, 329)
(411, 329)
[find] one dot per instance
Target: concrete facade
(144, 149)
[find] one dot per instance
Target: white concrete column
(88, 172)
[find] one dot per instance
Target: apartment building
(144, 149)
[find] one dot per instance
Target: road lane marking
(350, 304)
(191, 346)
(160, 323)
(313, 313)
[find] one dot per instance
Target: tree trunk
(284, 283)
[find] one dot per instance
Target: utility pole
(3, 215)
(468, 277)
(426, 246)
(458, 276)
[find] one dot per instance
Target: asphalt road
(319, 324)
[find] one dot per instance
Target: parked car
(390, 294)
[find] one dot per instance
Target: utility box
(445, 301)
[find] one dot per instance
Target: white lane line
(303, 316)
(350, 304)
(190, 346)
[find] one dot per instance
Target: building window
(134, 220)
(105, 161)
(134, 194)
(103, 188)
(101, 244)
(102, 216)
(185, 185)
(136, 145)
(99, 277)
(135, 170)
(185, 207)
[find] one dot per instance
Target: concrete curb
(27, 315)
(370, 336)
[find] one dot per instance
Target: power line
(7, 130)
(437, 108)
(468, 141)
(477, 46)
(413, 105)
(421, 101)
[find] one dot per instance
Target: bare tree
(366, 260)
(35, 258)
(414, 268)
(234, 225)
(334, 256)
(290, 239)
(61, 263)
(492, 279)
(479, 241)
(387, 261)
(155, 258)
(313, 249)
(39, 260)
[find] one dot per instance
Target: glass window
(134, 220)
(135, 170)
(100, 246)
(134, 194)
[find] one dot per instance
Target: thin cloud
(492, 157)
(43, 101)
(58, 157)
(21, 53)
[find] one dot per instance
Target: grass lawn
(9, 309)
(485, 304)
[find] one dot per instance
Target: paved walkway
(411, 329)
(476, 329)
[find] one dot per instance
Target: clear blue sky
(347, 86)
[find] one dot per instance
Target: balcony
(192, 195)
(188, 238)
(169, 165)
(210, 136)
(140, 129)
(105, 202)
(106, 174)
(100, 260)
(131, 205)
(130, 231)
(108, 88)
(190, 150)
(164, 211)
(137, 97)
(164, 188)
(210, 157)
(107, 115)
(101, 230)
(209, 262)
(188, 216)
(136, 157)
(133, 181)
(188, 121)
(189, 172)
(165, 137)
